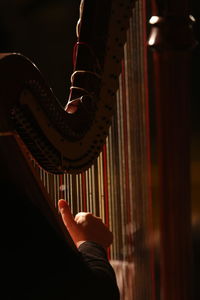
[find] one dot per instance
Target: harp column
(172, 40)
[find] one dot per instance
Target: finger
(66, 214)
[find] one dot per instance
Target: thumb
(66, 214)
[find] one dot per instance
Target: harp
(92, 152)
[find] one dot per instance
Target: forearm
(102, 277)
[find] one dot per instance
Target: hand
(85, 226)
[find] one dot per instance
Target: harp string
(116, 187)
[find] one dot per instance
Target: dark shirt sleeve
(102, 279)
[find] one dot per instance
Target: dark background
(44, 31)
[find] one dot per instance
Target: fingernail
(61, 209)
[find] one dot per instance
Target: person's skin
(85, 226)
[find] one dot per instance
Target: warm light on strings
(116, 186)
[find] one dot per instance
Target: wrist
(79, 243)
